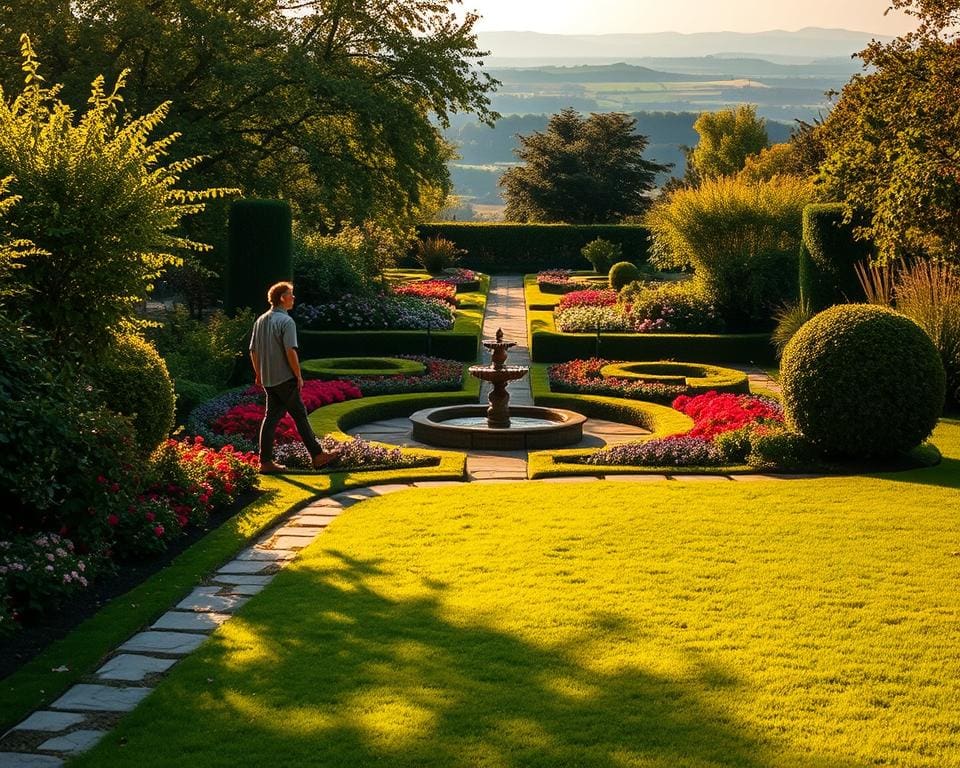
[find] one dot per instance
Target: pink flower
(113, 520)
(158, 530)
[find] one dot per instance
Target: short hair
(276, 291)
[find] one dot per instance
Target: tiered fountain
(497, 426)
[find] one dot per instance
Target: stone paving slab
(207, 599)
(87, 697)
(44, 720)
(701, 478)
(238, 579)
(312, 521)
(133, 667)
(23, 760)
(244, 566)
(386, 488)
(293, 542)
(74, 742)
(172, 643)
(638, 478)
(324, 502)
(191, 621)
(577, 479)
(436, 483)
(266, 555)
(247, 590)
(299, 531)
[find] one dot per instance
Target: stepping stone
(575, 479)
(245, 566)
(172, 643)
(22, 760)
(701, 478)
(635, 478)
(73, 743)
(190, 620)
(381, 490)
(132, 667)
(206, 601)
(353, 496)
(267, 555)
(246, 589)
(237, 578)
(312, 521)
(293, 542)
(101, 698)
(298, 531)
(45, 720)
(327, 502)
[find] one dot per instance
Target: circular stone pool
(465, 426)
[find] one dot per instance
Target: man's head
(280, 295)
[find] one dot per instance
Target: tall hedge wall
(260, 252)
(828, 256)
(532, 247)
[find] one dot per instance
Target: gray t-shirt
(274, 332)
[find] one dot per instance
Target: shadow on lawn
(351, 677)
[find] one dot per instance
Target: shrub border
(548, 345)
(325, 367)
(715, 378)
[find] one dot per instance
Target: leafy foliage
(602, 254)
(436, 254)
(580, 171)
(98, 202)
(741, 239)
(727, 138)
(892, 137)
(860, 380)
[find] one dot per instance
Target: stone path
(85, 713)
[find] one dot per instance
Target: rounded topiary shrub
(622, 273)
(860, 380)
(133, 381)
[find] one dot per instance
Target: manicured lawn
(801, 623)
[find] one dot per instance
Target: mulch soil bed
(32, 639)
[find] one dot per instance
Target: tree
(893, 138)
(327, 103)
(580, 171)
(99, 204)
(727, 138)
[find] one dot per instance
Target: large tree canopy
(580, 171)
(327, 103)
(893, 138)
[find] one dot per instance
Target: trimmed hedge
(698, 378)
(523, 248)
(861, 381)
(260, 252)
(338, 367)
(828, 255)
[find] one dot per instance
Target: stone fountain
(497, 426)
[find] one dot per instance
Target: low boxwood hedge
(340, 367)
(696, 377)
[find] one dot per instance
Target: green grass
(758, 625)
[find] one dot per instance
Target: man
(276, 365)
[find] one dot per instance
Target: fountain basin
(465, 426)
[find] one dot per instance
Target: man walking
(276, 365)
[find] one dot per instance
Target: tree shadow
(346, 675)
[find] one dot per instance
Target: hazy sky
(601, 16)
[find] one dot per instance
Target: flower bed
(589, 319)
(357, 454)
(461, 278)
(588, 298)
(439, 376)
(584, 377)
(713, 415)
(555, 280)
(437, 290)
(379, 312)
(233, 418)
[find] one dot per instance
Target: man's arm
(294, 359)
(256, 368)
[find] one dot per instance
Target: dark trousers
(281, 399)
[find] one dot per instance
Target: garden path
(84, 714)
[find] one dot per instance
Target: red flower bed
(244, 419)
(714, 413)
(441, 290)
(588, 298)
